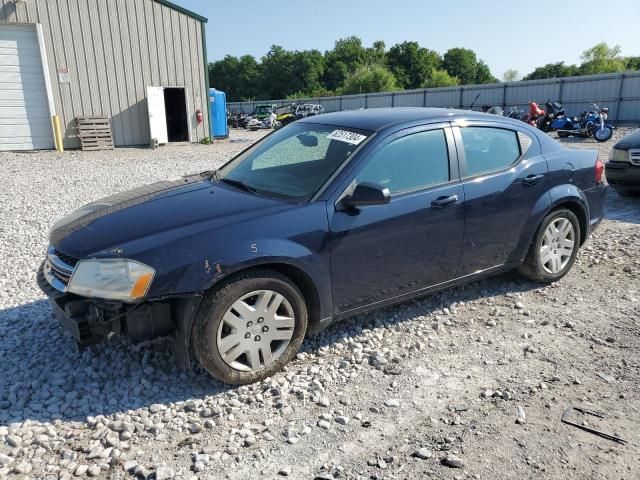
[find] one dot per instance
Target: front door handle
(532, 179)
(442, 202)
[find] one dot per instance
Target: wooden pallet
(94, 133)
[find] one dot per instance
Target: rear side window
(410, 162)
(488, 149)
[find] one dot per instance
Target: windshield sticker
(345, 136)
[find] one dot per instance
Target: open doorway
(175, 102)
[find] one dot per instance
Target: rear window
(489, 149)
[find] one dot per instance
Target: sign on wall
(63, 75)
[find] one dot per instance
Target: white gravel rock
(342, 420)
(324, 424)
(64, 411)
(164, 473)
(23, 467)
(423, 453)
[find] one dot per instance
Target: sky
(506, 34)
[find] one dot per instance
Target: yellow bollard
(57, 135)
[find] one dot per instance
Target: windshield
(294, 162)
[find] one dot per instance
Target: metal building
(142, 63)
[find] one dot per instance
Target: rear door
(505, 179)
(381, 252)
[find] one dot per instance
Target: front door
(157, 114)
(381, 252)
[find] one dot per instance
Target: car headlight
(616, 155)
(111, 279)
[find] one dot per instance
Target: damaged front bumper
(94, 321)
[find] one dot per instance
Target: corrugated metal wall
(618, 91)
(113, 50)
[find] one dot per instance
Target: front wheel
(554, 249)
(603, 134)
(250, 327)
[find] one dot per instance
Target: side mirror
(367, 193)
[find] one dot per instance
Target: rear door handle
(532, 179)
(442, 202)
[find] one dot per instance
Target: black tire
(532, 267)
(606, 137)
(562, 134)
(216, 303)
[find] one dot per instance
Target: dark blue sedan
(323, 219)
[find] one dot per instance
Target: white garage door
(25, 123)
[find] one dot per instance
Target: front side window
(415, 161)
(294, 162)
(489, 149)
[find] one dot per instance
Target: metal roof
(182, 10)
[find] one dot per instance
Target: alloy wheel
(557, 246)
(256, 330)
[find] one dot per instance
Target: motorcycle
(268, 123)
(588, 124)
(515, 112)
(237, 119)
(535, 112)
(553, 110)
(493, 110)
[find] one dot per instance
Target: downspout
(206, 78)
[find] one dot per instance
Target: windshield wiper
(238, 183)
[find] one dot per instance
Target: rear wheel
(554, 248)
(250, 327)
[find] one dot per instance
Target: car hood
(101, 227)
(630, 141)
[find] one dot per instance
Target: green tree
(308, 68)
(278, 73)
(483, 73)
(440, 78)
(461, 63)
(286, 72)
(602, 59)
(632, 63)
(376, 54)
(347, 55)
(553, 70)
(239, 78)
(411, 64)
(510, 75)
(371, 79)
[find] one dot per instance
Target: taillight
(599, 170)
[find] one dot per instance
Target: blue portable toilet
(218, 107)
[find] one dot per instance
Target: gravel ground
(467, 383)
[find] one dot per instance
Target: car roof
(630, 141)
(376, 119)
